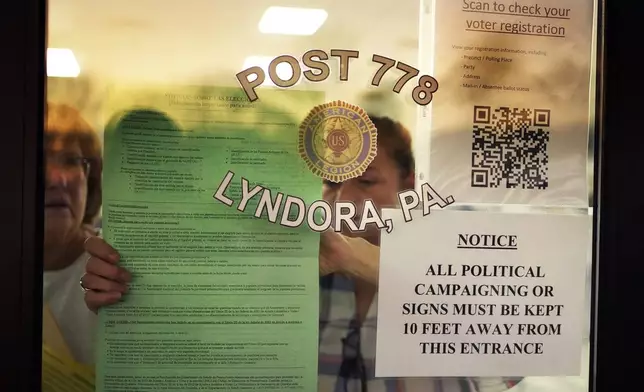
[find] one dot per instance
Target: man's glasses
(68, 163)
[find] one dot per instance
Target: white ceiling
(207, 41)
(161, 38)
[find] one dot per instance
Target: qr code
(510, 147)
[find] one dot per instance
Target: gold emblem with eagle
(338, 141)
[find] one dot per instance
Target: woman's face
(65, 191)
(380, 183)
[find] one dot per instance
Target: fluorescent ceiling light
(284, 70)
(62, 63)
(292, 21)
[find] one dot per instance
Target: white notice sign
(466, 293)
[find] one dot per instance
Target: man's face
(380, 183)
(65, 191)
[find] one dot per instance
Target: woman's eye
(367, 181)
(331, 184)
(72, 161)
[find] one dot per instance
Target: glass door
(367, 196)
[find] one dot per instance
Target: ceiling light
(62, 63)
(283, 70)
(292, 21)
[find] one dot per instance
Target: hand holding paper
(106, 281)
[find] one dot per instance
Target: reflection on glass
(72, 156)
(62, 63)
(206, 43)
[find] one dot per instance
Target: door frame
(617, 298)
(618, 262)
(23, 36)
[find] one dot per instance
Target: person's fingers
(329, 234)
(333, 240)
(97, 283)
(97, 247)
(106, 270)
(97, 299)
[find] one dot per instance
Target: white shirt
(63, 294)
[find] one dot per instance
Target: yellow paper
(51, 334)
(62, 374)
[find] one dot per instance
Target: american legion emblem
(338, 141)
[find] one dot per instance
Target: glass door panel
(164, 116)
